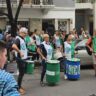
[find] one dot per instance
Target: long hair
(66, 37)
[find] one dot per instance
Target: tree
(12, 20)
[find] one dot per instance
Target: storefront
(35, 18)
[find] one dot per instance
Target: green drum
(29, 67)
(53, 72)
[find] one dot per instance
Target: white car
(82, 54)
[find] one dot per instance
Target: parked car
(82, 54)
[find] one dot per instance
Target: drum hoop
(29, 61)
(77, 60)
(50, 61)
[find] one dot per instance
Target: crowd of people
(41, 47)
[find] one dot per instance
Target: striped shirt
(8, 85)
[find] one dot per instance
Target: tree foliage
(9, 14)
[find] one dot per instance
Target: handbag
(88, 49)
(57, 54)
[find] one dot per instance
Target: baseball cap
(23, 29)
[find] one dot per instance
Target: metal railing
(43, 2)
(84, 1)
(27, 2)
(35, 2)
(12, 1)
(47, 2)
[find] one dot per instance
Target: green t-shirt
(73, 48)
(30, 47)
(61, 40)
(41, 38)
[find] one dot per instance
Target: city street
(37, 33)
(86, 86)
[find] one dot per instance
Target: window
(23, 23)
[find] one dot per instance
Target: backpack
(9, 44)
(88, 50)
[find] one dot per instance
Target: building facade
(39, 14)
(85, 13)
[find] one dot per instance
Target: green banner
(94, 44)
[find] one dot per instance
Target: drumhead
(53, 61)
(74, 59)
(29, 61)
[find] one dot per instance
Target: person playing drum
(45, 51)
(67, 49)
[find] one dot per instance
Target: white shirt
(38, 41)
(57, 41)
(67, 50)
(31, 40)
(23, 47)
(49, 50)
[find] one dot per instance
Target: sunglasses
(24, 33)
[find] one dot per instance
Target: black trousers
(33, 54)
(44, 65)
(21, 64)
(62, 64)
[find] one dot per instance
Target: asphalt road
(86, 86)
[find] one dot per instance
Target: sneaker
(42, 84)
(22, 91)
(65, 76)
